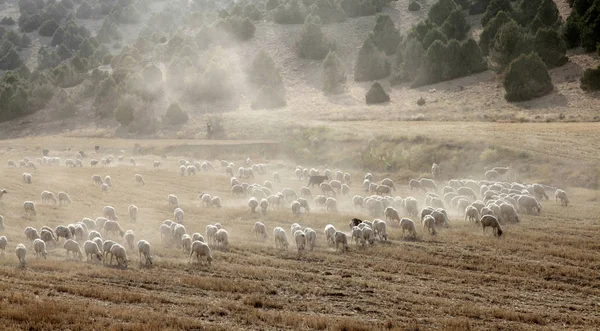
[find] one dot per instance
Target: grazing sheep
(106, 246)
(427, 183)
(156, 166)
(108, 181)
(260, 229)
(31, 234)
(341, 238)
(3, 243)
(264, 204)
(383, 189)
(330, 233)
(305, 192)
(289, 194)
(280, 238)
(119, 253)
(380, 229)
(173, 201)
(468, 192)
(320, 201)
(63, 197)
(508, 213)
(414, 184)
(144, 248)
(91, 250)
(29, 207)
(389, 183)
(132, 161)
(133, 210)
(300, 239)
(311, 238)
(104, 187)
(347, 178)
(21, 252)
(368, 233)
(411, 206)
(472, 214)
(357, 236)
(216, 202)
(276, 177)
(528, 204)
(12, 164)
(186, 243)
(296, 208)
(222, 239)
(93, 235)
(326, 188)
(211, 232)
(331, 205)
(252, 204)
(63, 231)
(408, 225)
(165, 234)
(40, 248)
(113, 226)
(491, 221)
(130, 238)
(435, 170)
(562, 195)
(96, 179)
(48, 197)
(2, 193)
(109, 213)
(196, 236)
(200, 249)
(391, 214)
(429, 224)
(73, 247)
(359, 201)
(539, 192)
(178, 214)
(139, 179)
(492, 175)
(304, 204)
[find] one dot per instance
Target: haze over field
(432, 120)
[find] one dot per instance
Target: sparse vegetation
(312, 43)
(590, 80)
(385, 36)
(371, 63)
(414, 6)
(333, 74)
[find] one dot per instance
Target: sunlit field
(543, 273)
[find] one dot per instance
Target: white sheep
(144, 248)
(295, 227)
(73, 247)
(12, 164)
(21, 252)
(491, 221)
(63, 231)
(222, 238)
(252, 204)
(108, 181)
(408, 225)
(216, 202)
(562, 195)
(92, 249)
(156, 165)
(119, 253)
(331, 205)
(94, 234)
(330, 233)
(27, 178)
(29, 207)
(3, 243)
(380, 229)
(40, 248)
(104, 187)
(429, 224)
(2, 193)
(186, 243)
(106, 246)
(200, 249)
(368, 233)
(173, 201)
(264, 204)
(357, 235)
(391, 214)
(165, 234)
(139, 179)
(280, 238)
(133, 211)
(113, 226)
(96, 179)
(211, 232)
(178, 214)
(130, 238)
(300, 239)
(132, 161)
(311, 238)
(341, 238)
(260, 229)
(472, 214)
(31, 234)
(63, 197)
(109, 213)
(182, 169)
(48, 197)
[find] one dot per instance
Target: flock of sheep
(489, 202)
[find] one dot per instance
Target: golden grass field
(542, 274)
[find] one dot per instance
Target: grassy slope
(542, 274)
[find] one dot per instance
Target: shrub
(29, 23)
(385, 36)
(371, 63)
(494, 8)
(109, 31)
(61, 106)
(478, 7)
(312, 43)
(571, 31)
(412, 57)
(41, 95)
(547, 14)
(472, 58)
(440, 11)
(48, 58)
(292, 12)
(269, 97)
(47, 28)
(106, 98)
(63, 52)
(263, 71)
(175, 115)
(106, 59)
(456, 25)
(124, 111)
(84, 11)
(491, 29)
(328, 10)
(414, 6)
(333, 75)
(125, 15)
(433, 35)
(271, 4)
(358, 8)
(527, 10)
(9, 57)
(239, 28)
(376, 94)
(14, 96)
(550, 47)
(7, 20)
(510, 42)
(252, 13)
(526, 78)
(421, 102)
(590, 80)
(27, 7)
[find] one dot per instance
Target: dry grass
(542, 274)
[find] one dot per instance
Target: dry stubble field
(543, 274)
